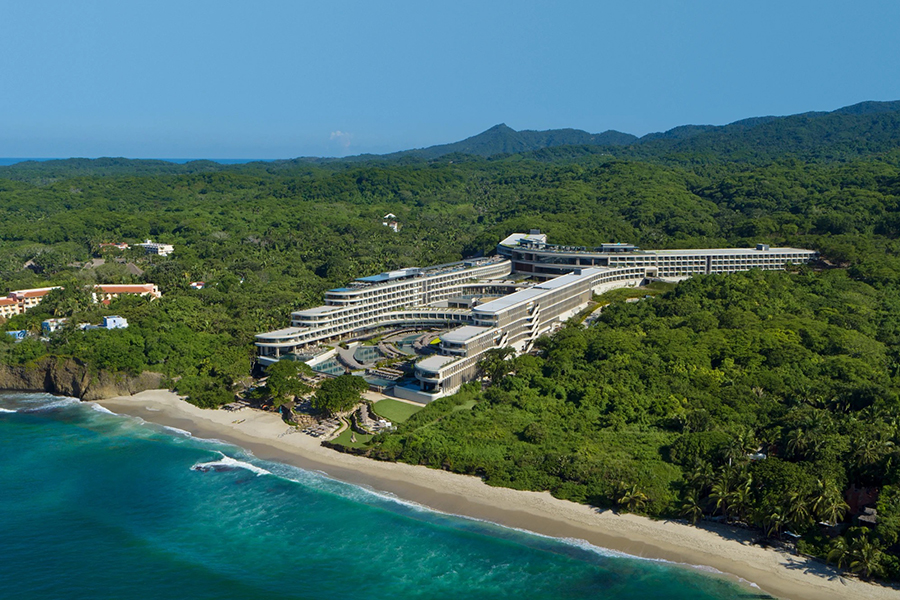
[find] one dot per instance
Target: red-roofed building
(18, 301)
(105, 293)
(117, 245)
(8, 307)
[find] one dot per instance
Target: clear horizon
(288, 79)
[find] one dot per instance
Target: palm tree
(840, 552)
(798, 513)
(868, 453)
(740, 500)
(743, 443)
(797, 442)
(721, 491)
(495, 363)
(691, 507)
(633, 499)
(865, 557)
(702, 475)
(774, 521)
(828, 504)
(835, 510)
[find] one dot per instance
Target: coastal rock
(70, 377)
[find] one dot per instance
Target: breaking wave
(226, 463)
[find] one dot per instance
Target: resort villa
(20, 301)
(157, 248)
(526, 290)
(105, 293)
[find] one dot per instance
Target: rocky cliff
(70, 377)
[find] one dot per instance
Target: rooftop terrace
(417, 272)
(618, 247)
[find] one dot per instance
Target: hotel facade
(493, 310)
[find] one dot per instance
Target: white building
(157, 248)
(114, 322)
(402, 297)
(542, 260)
(514, 314)
(390, 220)
(53, 325)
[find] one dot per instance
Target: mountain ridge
(864, 128)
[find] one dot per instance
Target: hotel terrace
(488, 303)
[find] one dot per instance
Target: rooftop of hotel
(516, 238)
(729, 251)
(501, 304)
(124, 288)
(622, 248)
(434, 363)
(31, 293)
(317, 310)
(463, 334)
(370, 281)
(280, 333)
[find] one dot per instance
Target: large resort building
(526, 290)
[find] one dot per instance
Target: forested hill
(864, 129)
(501, 139)
(858, 130)
(654, 408)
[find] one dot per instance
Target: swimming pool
(330, 367)
(367, 354)
(385, 383)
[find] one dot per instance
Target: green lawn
(467, 405)
(395, 411)
(344, 439)
(620, 294)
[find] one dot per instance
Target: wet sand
(720, 547)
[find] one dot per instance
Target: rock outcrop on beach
(71, 377)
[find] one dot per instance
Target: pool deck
(346, 356)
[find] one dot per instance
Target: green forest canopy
(654, 408)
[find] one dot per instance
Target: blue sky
(279, 79)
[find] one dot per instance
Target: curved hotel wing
(518, 313)
(395, 298)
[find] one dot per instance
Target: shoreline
(723, 548)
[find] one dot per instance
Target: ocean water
(8, 161)
(95, 505)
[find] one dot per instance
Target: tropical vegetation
(760, 398)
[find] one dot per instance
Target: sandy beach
(723, 548)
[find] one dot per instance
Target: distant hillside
(501, 139)
(865, 128)
(74, 167)
(859, 130)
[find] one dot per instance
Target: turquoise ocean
(95, 505)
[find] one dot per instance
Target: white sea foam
(226, 463)
(101, 409)
(229, 463)
(178, 431)
(402, 501)
(585, 545)
(576, 542)
(59, 403)
(7, 410)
